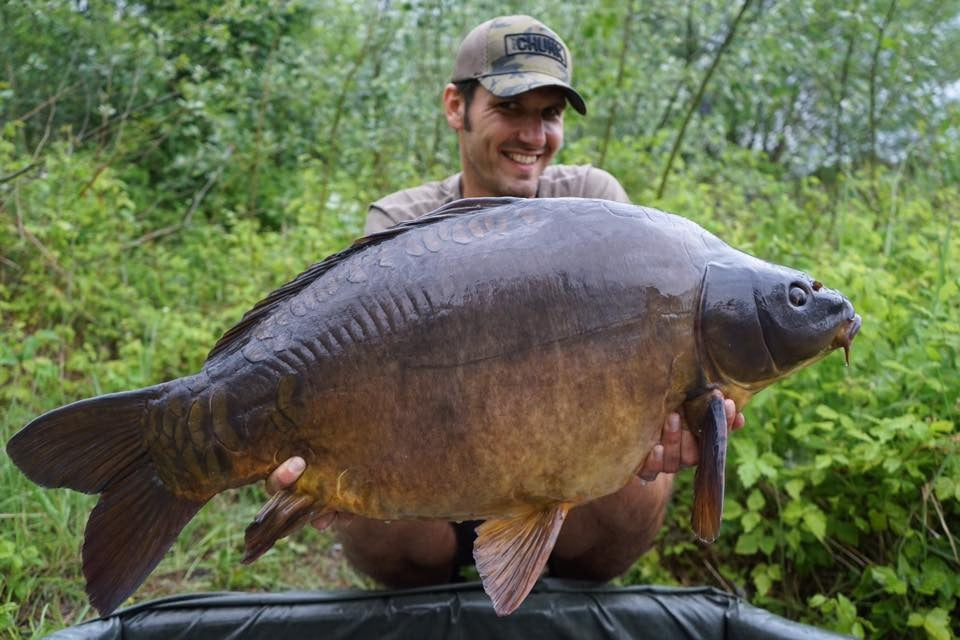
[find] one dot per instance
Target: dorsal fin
(262, 309)
(465, 205)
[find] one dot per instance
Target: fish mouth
(846, 335)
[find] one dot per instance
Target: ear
(453, 107)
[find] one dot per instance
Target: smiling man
(506, 102)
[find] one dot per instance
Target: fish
(499, 359)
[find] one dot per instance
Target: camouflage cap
(513, 54)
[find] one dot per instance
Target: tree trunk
(695, 103)
(615, 105)
(874, 61)
(254, 172)
(838, 114)
(330, 156)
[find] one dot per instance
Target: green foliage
(164, 165)
(842, 506)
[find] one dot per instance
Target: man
(506, 102)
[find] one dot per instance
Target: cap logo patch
(536, 44)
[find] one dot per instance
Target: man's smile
(521, 158)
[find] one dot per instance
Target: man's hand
(286, 474)
(679, 447)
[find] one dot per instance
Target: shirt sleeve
(600, 184)
(377, 220)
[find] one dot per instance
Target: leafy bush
(165, 165)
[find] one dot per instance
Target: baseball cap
(510, 55)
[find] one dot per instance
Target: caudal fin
(97, 446)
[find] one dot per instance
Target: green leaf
(889, 580)
(732, 509)
(816, 522)
(767, 544)
(826, 412)
(794, 488)
(750, 520)
(846, 610)
(767, 465)
(936, 623)
(756, 501)
(764, 575)
(748, 472)
(942, 426)
(948, 291)
(762, 582)
(817, 601)
(823, 461)
(747, 544)
(878, 520)
(945, 488)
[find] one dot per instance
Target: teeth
(521, 158)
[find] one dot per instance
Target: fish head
(759, 322)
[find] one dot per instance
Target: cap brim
(505, 85)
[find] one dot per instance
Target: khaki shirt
(557, 181)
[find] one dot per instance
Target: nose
(532, 132)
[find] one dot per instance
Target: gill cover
(760, 321)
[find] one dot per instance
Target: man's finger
(734, 420)
(671, 439)
(730, 411)
(689, 449)
(653, 465)
(286, 474)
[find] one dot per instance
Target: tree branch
(188, 216)
(695, 103)
(874, 62)
(621, 66)
(330, 155)
(19, 172)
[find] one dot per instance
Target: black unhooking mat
(555, 609)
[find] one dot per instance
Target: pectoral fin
(283, 514)
(511, 553)
(709, 481)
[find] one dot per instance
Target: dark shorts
(466, 534)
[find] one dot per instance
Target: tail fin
(97, 446)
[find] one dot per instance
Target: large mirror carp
(499, 359)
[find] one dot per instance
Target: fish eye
(797, 296)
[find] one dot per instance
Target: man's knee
(602, 539)
(400, 554)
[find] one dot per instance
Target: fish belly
(553, 424)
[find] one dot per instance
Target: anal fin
(510, 554)
(283, 514)
(708, 484)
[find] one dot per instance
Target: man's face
(510, 141)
